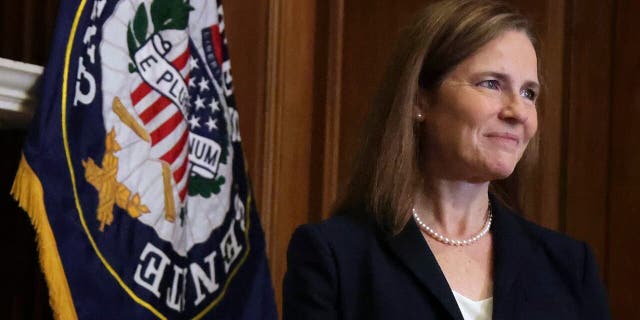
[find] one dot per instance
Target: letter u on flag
(133, 173)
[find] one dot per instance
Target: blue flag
(133, 173)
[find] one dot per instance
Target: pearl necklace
(452, 242)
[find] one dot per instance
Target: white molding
(18, 92)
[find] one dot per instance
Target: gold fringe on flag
(27, 190)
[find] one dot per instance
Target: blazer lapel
(413, 251)
(512, 248)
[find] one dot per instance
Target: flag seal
(152, 145)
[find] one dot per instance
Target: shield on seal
(164, 102)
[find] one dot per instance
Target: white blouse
(474, 310)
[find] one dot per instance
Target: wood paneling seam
(271, 129)
(332, 112)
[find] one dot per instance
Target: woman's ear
(420, 106)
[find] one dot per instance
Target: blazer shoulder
(565, 252)
(575, 261)
(340, 231)
(318, 255)
(549, 238)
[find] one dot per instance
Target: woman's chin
(502, 170)
(497, 171)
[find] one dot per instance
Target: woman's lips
(505, 138)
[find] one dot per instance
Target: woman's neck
(454, 208)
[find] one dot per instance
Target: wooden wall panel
(326, 113)
(245, 23)
(624, 169)
(370, 31)
(287, 138)
(587, 125)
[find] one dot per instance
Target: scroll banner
(133, 173)
(158, 73)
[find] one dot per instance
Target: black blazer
(345, 268)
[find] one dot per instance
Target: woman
(418, 234)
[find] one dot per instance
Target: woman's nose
(514, 109)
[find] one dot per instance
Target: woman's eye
(529, 94)
(491, 84)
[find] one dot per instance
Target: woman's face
(481, 118)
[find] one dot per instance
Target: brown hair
(445, 33)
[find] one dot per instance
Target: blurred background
(304, 74)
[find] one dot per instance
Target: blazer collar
(511, 247)
(412, 250)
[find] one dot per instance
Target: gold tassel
(27, 190)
